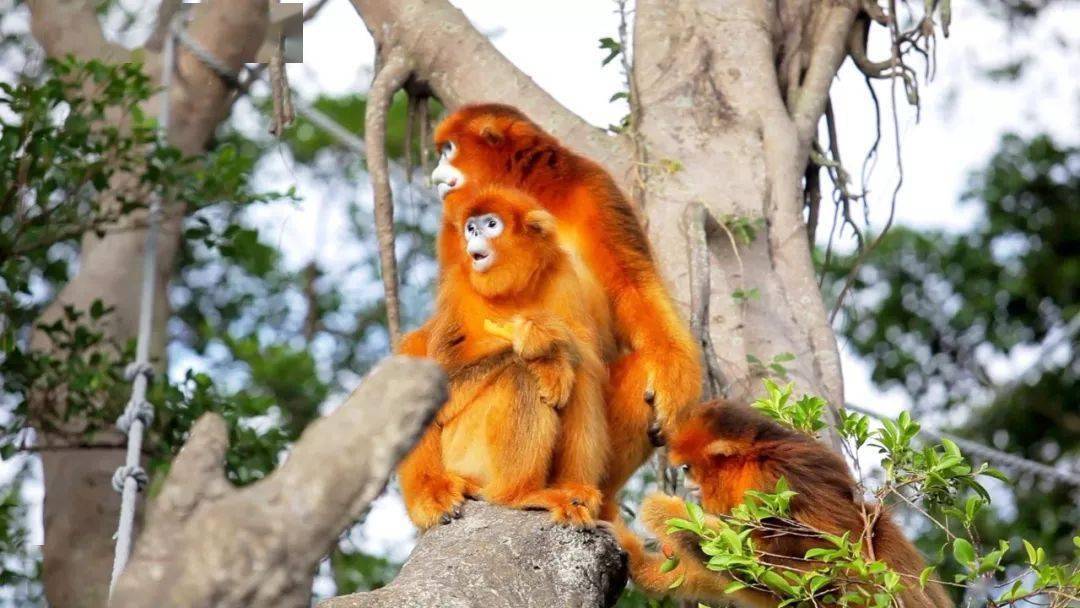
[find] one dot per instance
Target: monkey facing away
(524, 425)
(655, 372)
(727, 449)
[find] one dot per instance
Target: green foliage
(612, 47)
(254, 446)
(803, 415)
(774, 367)
(746, 295)
(356, 571)
(930, 311)
(306, 140)
(20, 568)
(742, 229)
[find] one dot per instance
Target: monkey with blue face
(524, 426)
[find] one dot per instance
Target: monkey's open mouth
(479, 256)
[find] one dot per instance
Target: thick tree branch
(498, 558)
(71, 27)
(166, 12)
(461, 65)
(209, 544)
(828, 51)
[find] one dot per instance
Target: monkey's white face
(446, 176)
(480, 231)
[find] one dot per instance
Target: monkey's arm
(548, 346)
(664, 354)
(415, 343)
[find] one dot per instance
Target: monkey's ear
(539, 221)
(724, 447)
(491, 134)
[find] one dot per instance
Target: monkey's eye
(447, 150)
(491, 225)
(685, 469)
(470, 229)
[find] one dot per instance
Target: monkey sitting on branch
(524, 426)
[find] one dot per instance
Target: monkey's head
(714, 444)
(500, 238)
(490, 144)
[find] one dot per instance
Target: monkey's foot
(589, 496)
(555, 381)
(565, 507)
(657, 509)
(440, 500)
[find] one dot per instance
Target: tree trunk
(717, 131)
(730, 93)
(81, 508)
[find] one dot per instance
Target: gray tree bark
(81, 508)
(497, 558)
(209, 544)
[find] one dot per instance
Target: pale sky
(555, 42)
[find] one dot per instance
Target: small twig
(390, 77)
(280, 92)
(310, 13)
(812, 199)
(425, 139)
(640, 184)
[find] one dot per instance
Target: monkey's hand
(672, 382)
(657, 509)
(554, 380)
(542, 336)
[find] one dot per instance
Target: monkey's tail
(895, 549)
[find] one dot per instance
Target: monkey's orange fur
(731, 448)
(524, 425)
(657, 358)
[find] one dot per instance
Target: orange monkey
(727, 449)
(524, 426)
(658, 363)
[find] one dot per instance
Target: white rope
(130, 478)
(1003, 459)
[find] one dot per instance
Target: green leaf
(734, 586)
(613, 48)
(963, 551)
(924, 576)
